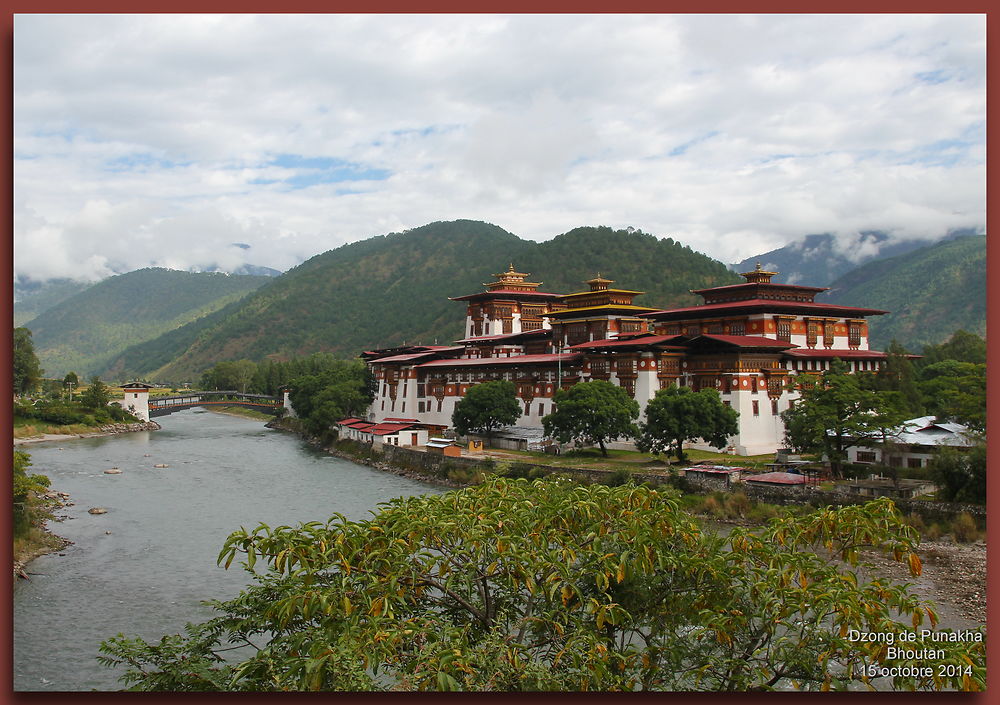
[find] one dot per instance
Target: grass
(25, 428)
(241, 411)
(591, 458)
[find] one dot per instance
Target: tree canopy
(341, 388)
(486, 407)
(836, 412)
(96, 395)
(551, 585)
(592, 412)
(27, 371)
(960, 475)
(678, 414)
(956, 391)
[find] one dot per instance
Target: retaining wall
(809, 494)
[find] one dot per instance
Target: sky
(186, 141)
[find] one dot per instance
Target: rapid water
(143, 568)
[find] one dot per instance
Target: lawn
(628, 459)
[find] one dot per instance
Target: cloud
(162, 139)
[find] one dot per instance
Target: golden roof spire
(758, 275)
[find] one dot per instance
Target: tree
(70, 382)
(486, 407)
(898, 375)
(961, 346)
(960, 475)
(27, 371)
(956, 391)
(338, 391)
(551, 585)
(678, 414)
(835, 413)
(26, 487)
(594, 412)
(96, 395)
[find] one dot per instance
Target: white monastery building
(746, 340)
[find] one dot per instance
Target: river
(143, 568)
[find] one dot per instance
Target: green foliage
(549, 585)
(897, 375)
(961, 346)
(96, 395)
(336, 390)
(955, 391)
(27, 371)
(89, 330)
(486, 407)
(836, 412)
(26, 489)
(678, 414)
(592, 412)
(960, 475)
(951, 292)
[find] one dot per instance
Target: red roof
(394, 419)
(416, 356)
(513, 360)
(777, 478)
(842, 354)
(619, 342)
(748, 285)
(384, 429)
(349, 419)
(707, 309)
(506, 292)
(744, 341)
(504, 336)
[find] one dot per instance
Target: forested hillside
(930, 293)
(818, 260)
(34, 298)
(392, 289)
(83, 333)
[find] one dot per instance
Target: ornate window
(812, 333)
(740, 328)
(784, 330)
(854, 334)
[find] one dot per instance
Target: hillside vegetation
(930, 293)
(83, 333)
(394, 288)
(33, 298)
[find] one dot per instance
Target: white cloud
(162, 139)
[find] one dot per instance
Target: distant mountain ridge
(930, 292)
(83, 332)
(394, 288)
(819, 259)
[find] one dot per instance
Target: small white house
(913, 444)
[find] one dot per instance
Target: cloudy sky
(190, 140)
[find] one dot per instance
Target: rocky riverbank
(52, 542)
(109, 430)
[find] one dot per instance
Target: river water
(143, 568)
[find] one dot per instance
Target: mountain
(817, 260)
(394, 288)
(243, 270)
(33, 297)
(84, 332)
(930, 292)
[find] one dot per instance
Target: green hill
(84, 332)
(930, 293)
(34, 298)
(392, 289)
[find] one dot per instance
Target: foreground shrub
(550, 585)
